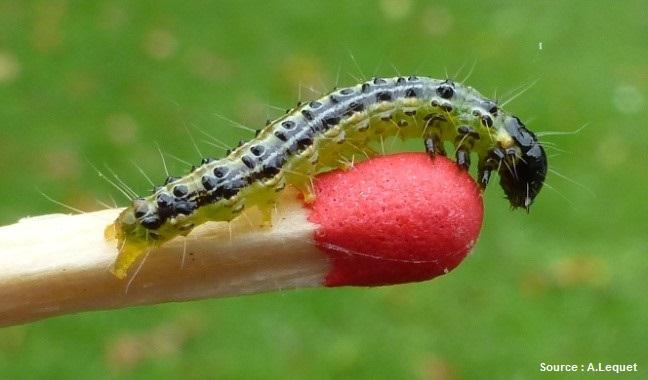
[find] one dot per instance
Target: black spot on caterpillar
(317, 136)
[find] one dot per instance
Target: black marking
(220, 171)
(206, 160)
(464, 130)
(248, 161)
(400, 80)
(445, 91)
(432, 117)
(315, 104)
(467, 130)
(490, 106)
(180, 191)
(410, 93)
(331, 121)
(412, 78)
(141, 207)
(185, 207)
(273, 166)
(257, 150)
(366, 87)
(486, 121)
(384, 96)
(304, 142)
(152, 222)
(354, 107)
(447, 107)
(164, 201)
(270, 170)
(307, 114)
(402, 123)
(231, 188)
(410, 112)
(209, 182)
(281, 136)
(379, 81)
(288, 124)
(346, 91)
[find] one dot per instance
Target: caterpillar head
(524, 168)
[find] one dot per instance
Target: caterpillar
(317, 136)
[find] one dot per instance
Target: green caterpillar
(317, 136)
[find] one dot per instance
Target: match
(389, 220)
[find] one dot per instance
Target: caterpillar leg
(463, 158)
(483, 177)
(434, 146)
(486, 167)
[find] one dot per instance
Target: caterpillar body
(318, 136)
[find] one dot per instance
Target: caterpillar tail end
(128, 255)
(130, 240)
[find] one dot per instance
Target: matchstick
(389, 220)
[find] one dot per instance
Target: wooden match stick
(389, 220)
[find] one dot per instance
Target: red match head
(396, 219)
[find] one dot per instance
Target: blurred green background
(102, 81)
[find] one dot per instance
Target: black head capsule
(523, 181)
